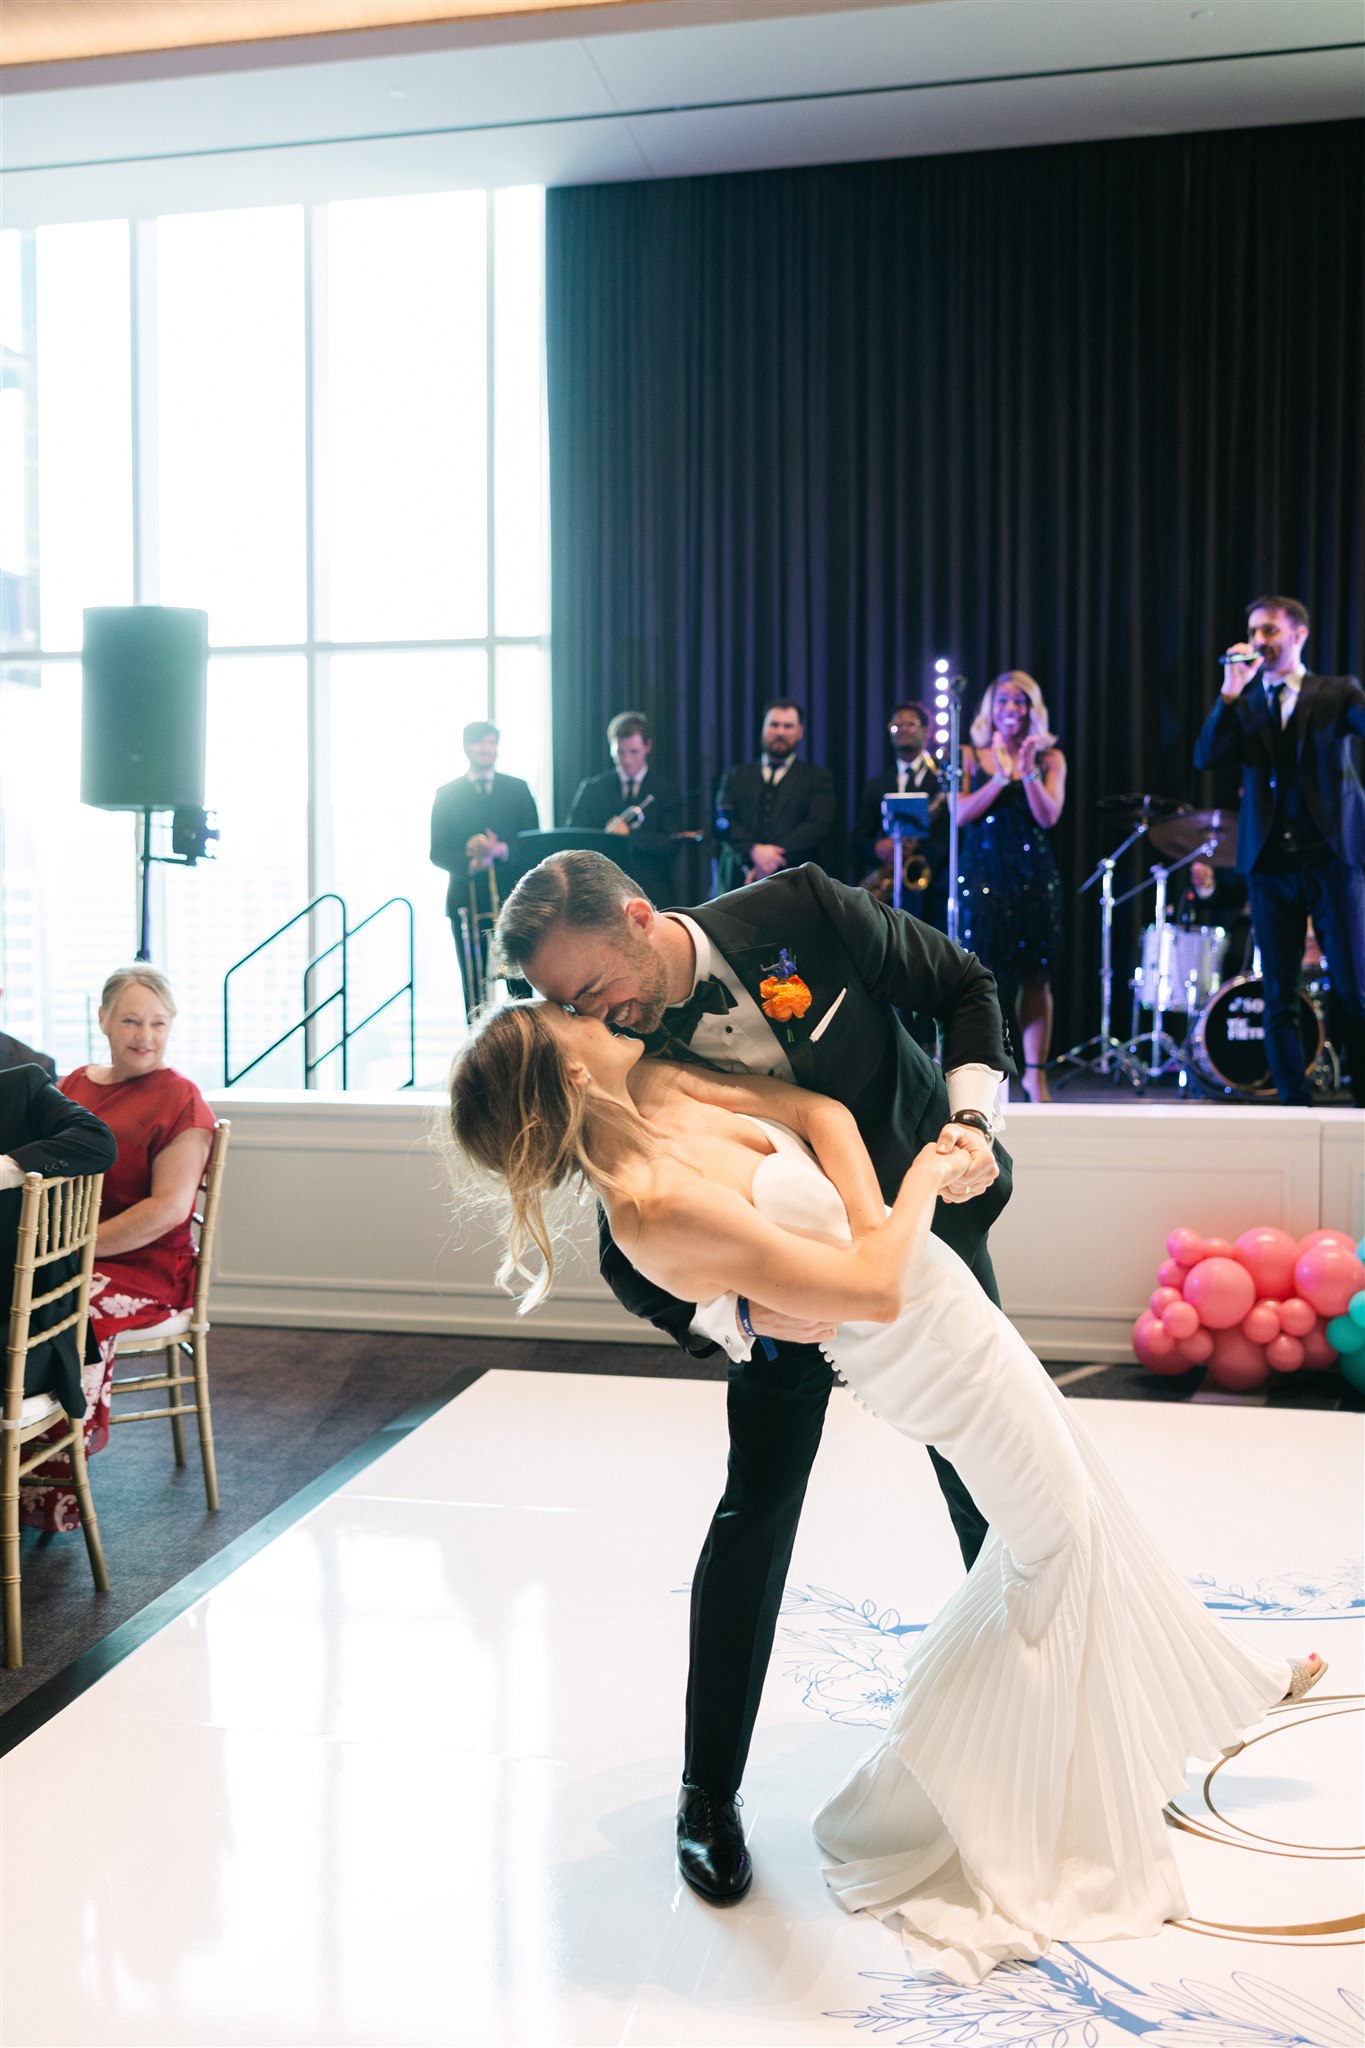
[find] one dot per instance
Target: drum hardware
(1227, 1044)
(1196, 835)
(1105, 1054)
(1188, 836)
(1182, 966)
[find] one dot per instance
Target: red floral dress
(138, 1289)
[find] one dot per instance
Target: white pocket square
(823, 1026)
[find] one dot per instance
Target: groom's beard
(643, 1012)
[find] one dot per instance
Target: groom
(800, 977)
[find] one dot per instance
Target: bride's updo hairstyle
(518, 1118)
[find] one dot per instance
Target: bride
(1050, 1709)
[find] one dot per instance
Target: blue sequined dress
(1009, 890)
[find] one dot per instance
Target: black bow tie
(709, 998)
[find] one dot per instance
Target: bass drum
(1229, 1037)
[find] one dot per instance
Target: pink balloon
(1186, 1247)
(1237, 1364)
(1285, 1354)
(1222, 1291)
(1317, 1352)
(1198, 1349)
(1327, 1275)
(1218, 1248)
(1262, 1323)
(1337, 1237)
(1163, 1297)
(1296, 1316)
(1152, 1346)
(1170, 1274)
(1180, 1319)
(1269, 1255)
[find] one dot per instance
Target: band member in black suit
(914, 773)
(474, 824)
(778, 811)
(14, 1053)
(579, 931)
(1300, 742)
(631, 801)
(42, 1132)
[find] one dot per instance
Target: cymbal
(1141, 807)
(1195, 831)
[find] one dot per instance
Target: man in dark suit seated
(1299, 740)
(778, 810)
(692, 983)
(41, 1132)
(474, 824)
(633, 803)
(14, 1053)
(914, 773)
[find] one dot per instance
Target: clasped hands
(964, 1164)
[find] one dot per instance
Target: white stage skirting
(336, 1216)
(408, 1775)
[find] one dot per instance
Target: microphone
(1237, 660)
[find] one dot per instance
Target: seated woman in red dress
(144, 1253)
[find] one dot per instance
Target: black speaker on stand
(144, 705)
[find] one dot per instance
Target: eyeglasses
(905, 724)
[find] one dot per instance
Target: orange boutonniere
(784, 994)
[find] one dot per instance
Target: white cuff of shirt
(11, 1173)
(976, 1087)
(717, 1320)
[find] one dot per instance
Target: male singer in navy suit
(1300, 740)
(633, 802)
(780, 810)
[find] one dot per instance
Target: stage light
(941, 667)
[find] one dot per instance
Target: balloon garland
(1268, 1303)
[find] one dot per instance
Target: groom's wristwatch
(975, 1120)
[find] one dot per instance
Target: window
(325, 427)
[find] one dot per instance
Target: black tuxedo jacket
(845, 943)
(14, 1053)
(802, 817)
(44, 1133)
(1328, 729)
(654, 849)
(463, 808)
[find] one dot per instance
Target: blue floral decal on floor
(848, 1656)
(1064, 2001)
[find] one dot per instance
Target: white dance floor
(408, 1775)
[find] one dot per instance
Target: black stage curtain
(1062, 409)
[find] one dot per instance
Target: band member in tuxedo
(474, 824)
(1299, 740)
(634, 803)
(914, 773)
(800, 978)
(779, 810)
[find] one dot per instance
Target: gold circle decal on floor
(1203, 1815)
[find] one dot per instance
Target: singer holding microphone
(631, 801)
(1299, 740)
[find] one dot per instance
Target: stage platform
(407, 1774)
(337, 1215)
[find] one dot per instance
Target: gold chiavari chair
(57, 1221)
(183, 1337)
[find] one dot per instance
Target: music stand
(529, 848)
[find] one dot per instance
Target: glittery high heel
(1303, 1676)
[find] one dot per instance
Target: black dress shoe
(711, 1852)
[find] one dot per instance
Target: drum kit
(1181, 974)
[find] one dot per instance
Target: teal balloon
(1353, 1370)
(1345, 1335)
(1355, 1308)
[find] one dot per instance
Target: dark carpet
(289, 1405)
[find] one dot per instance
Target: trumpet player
(474, 825)
(913, 771)
(631, 802)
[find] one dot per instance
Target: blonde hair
(983, 725)
(518, 1118)
(140, 976)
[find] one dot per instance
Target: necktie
(1275, 692)
(902, 778)
(709, 998)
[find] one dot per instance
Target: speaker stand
(144, 942)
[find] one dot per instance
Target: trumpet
(476, 929)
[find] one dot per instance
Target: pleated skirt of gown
(1050, 1710)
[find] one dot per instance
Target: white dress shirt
(1289, 693)
(744, 1042)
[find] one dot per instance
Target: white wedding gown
(1049, 1711)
